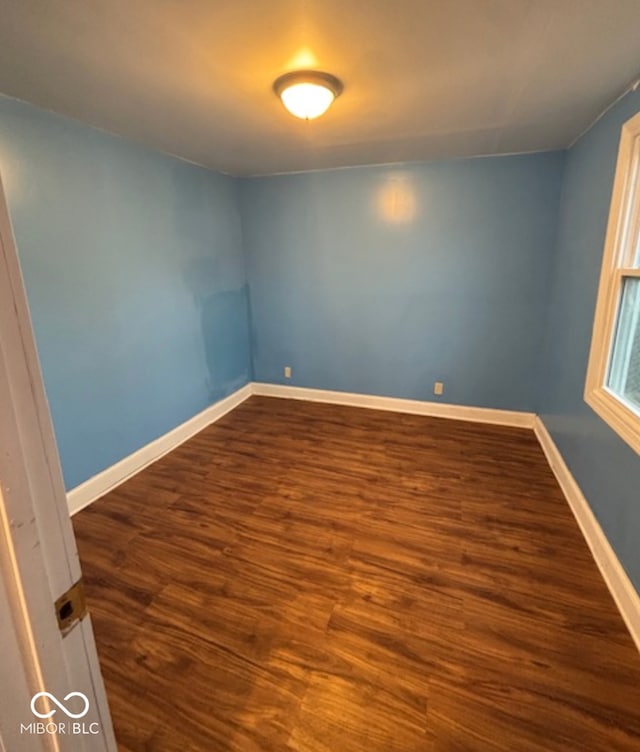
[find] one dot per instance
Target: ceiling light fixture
(307, 94)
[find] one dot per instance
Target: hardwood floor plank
(319, 578)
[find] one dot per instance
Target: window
(613, 376)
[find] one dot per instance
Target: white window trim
(617, 256)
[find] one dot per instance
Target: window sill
(616, 414)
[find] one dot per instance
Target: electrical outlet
(438, 388)
(287, 372)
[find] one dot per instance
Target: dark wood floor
(329, 579)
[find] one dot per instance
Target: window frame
(620, 262)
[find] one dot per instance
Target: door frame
(38, 555)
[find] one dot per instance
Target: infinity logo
(59, 704)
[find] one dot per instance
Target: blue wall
(135, 277)
(606, 469)
(383, 280)
(377, 280)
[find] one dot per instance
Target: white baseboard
(91, 490)
(395, 404)
(616, 579)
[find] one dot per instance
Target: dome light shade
(307, 94)
(307, 101)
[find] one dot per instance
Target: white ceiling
(423, 79)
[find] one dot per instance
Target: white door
(51, 692)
